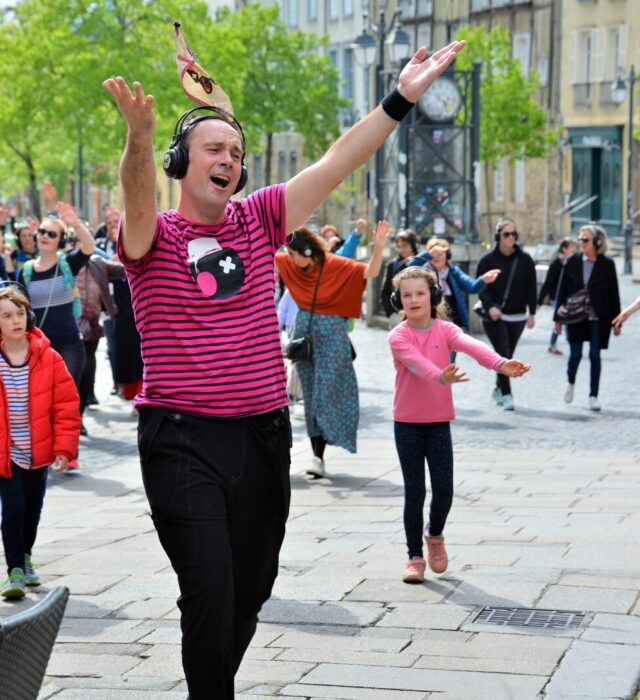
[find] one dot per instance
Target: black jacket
(550, 285)
(603, 295)
(523, 288)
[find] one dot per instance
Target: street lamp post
(618, 94)
(366, 46)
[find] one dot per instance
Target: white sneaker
(316, 469)
(568, 394)
(507, 402)
(594, 404)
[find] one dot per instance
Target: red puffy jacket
(54, 408)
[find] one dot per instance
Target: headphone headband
(184, 124)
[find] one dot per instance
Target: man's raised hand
(135, 107)
(418, 75)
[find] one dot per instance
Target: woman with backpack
(50, 282)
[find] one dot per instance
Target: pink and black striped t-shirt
(203, 298)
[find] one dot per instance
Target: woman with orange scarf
(329, 384)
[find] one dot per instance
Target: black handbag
(301, 349)
(479, 308)
(575, 308)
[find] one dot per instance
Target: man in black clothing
(510, 301)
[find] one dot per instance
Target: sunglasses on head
(507, 234)
(45, 232)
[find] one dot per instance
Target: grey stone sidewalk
(545, 516)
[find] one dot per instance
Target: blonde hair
(442, 242)
(596, 230)
(419, 273)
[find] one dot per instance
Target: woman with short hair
(590, 269)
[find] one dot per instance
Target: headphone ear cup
(175, 162)
(395, 300)
(242, 182)
(31, 320)
(496, 236)
(436, 295)
(448, 253)
(63, 241)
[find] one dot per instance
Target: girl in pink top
(423, 407)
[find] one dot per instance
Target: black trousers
(504, 336)
(88, 377)
(219, 493)
(21, 497)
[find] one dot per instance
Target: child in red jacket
(39, 425)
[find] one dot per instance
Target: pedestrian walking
(214, 431)
(50, 281)
(454, 281)
(423, 409)
(626, 313)
(41, 426)
(509, 304)
(549, 289)
(406, 245)
(327, 289)
(593, 271)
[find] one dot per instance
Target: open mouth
(220, 180)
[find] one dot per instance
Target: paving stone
(281, 672)
(89, 664)
(425, 616)
(342, 693)
(485, 685)
(584, 598)
(614, 629)
(315, 613)
(323, 639)
(596, 670)
(395, 590)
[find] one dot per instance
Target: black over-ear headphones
(595, 233)
(302, 248)
(176, 159)
(31, 316)
(436, 291)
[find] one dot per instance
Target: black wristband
(396, 106)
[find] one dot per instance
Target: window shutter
(623, 43)
(598, 38)
(573, 58)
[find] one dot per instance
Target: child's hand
(453, 375)
(61, 464)
(514, 368)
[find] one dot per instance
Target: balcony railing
(582, 95)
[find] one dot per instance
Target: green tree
(512, 124)
(278, 80)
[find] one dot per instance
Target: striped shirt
(587, 269)
(16, 384)
(203, 298)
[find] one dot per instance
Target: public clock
(442, 101)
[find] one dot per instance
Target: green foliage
(57, 53)
(512, 123)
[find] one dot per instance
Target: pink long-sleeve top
(419, 357)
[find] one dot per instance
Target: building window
(293, 164)
(292, 13)
(347, 8)
(518, 182)
(542, 68)
(334, 9)
(522, 50)
(347, 72)
(424, 36)
(282, 166)
(498, 181)
(312, 9)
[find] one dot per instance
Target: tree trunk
(34, 199)
(267, 158)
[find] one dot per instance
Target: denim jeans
(219, 493)
(22, 496)
(73, 354)
(575, 355)
(416, 442)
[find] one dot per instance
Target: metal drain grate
(528, 617)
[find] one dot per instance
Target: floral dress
(329, 384)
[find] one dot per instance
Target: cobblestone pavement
(545, 517)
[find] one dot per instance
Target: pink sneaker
(414, 570)
(438, 560)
